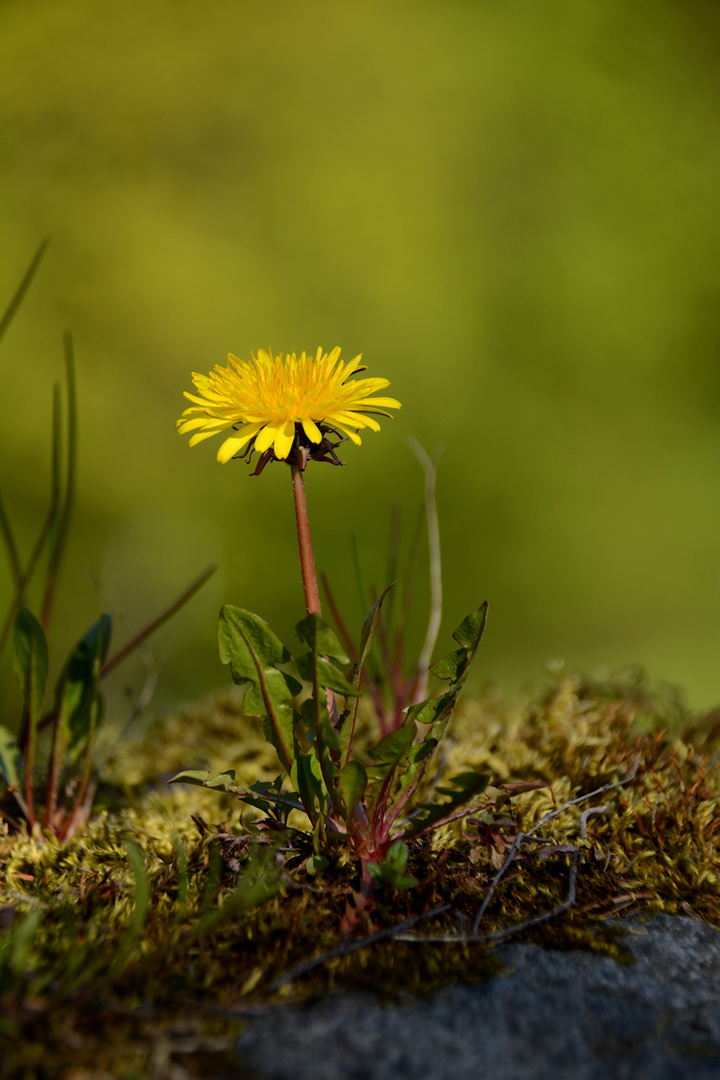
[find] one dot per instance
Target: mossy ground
(139, 947)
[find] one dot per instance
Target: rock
(558, 1015)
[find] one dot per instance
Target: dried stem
(353, 946)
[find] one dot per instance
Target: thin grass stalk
(139, 638)
(12, 550)
(63, 519)
(27, 573)
(19, 295)
(152, 626)
(436, 597)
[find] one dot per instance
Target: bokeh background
(510, 208)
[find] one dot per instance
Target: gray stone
(552, 1016)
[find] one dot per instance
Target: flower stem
(307, 559)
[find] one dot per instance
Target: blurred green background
(510, 208)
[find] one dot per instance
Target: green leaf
(389, 754)
(391, 872)
(367, 635)
(351, 786)
(316, 667)
(314, 632)
(328, 676)
(253, 652)
(454, 666)
(78, 692)
(262, 794)
(432, 711)
(394, 746)
(465, 787)
(316, 864)
(11, 761)
(329, 737)
(307, 779)
(472, 628)
(191, 776)
(223, 781)
(31, 662)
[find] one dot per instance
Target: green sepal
(253, 652)
(11, 761)
(351, 785)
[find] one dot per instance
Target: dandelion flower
(283, 408)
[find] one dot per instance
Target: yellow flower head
(281, 407)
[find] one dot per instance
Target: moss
(213, 905)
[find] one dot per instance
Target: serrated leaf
(454, 666)
(328, 676)
(471, 629)
(199, 777)
(11, 761)
(432, 711)
(223, 780)
(253, 652)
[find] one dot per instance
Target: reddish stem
(307, 559)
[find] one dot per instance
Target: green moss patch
(177, 908)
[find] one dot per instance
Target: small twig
(586, 814)
(352, 946)
(496, 880)
(510, 931)
(530, 835)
